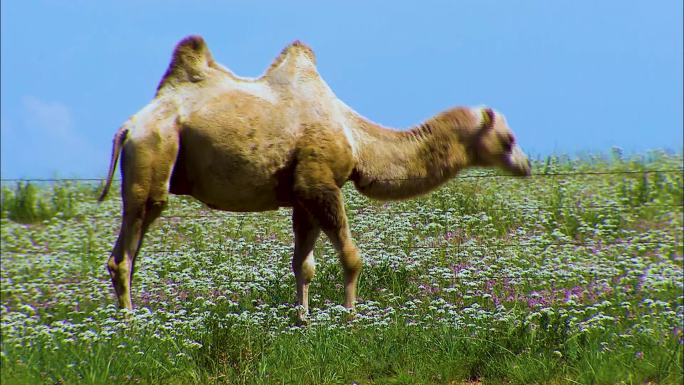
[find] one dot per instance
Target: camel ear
(488, 118)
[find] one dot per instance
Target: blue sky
(571, 76)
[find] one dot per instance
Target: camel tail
(119, 138)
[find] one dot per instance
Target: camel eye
(508, 142)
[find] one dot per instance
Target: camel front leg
(326, 206)
(306, 231)
(350, 260)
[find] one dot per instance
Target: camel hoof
(302, 322)
(350, 315)
(125, 315)
(302, 316)
(302, 319)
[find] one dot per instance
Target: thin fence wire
(548, 174)
(3, 180)
(552, 174)
(379, 211)
(458, 246)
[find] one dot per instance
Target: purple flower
(146, 297)
(567, 295)
(536, 298)
(642, 279)
(577, 291)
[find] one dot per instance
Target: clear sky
(571, 76)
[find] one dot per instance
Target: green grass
(395, 354)
(570, 277)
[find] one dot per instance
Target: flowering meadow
(571, 276)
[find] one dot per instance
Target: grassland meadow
(571, 276)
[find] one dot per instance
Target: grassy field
(572, 276)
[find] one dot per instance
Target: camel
(282, 140)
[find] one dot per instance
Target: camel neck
(394, 164)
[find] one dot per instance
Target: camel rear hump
(293, 49)
(295, 63)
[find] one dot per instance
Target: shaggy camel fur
(282, 140)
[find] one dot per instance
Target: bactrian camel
(283, 140)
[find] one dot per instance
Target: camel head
(494, 145)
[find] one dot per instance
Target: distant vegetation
(25, 202)
(571, 276)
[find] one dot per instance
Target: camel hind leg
(144, 193)
(121, 262)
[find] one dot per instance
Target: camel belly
(239, 179)
(236, 194)
(241, 199)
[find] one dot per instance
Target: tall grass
(573, 277)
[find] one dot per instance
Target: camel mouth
(518, 163)
(524, 172)
(520, 172)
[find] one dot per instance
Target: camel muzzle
(518, 163)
